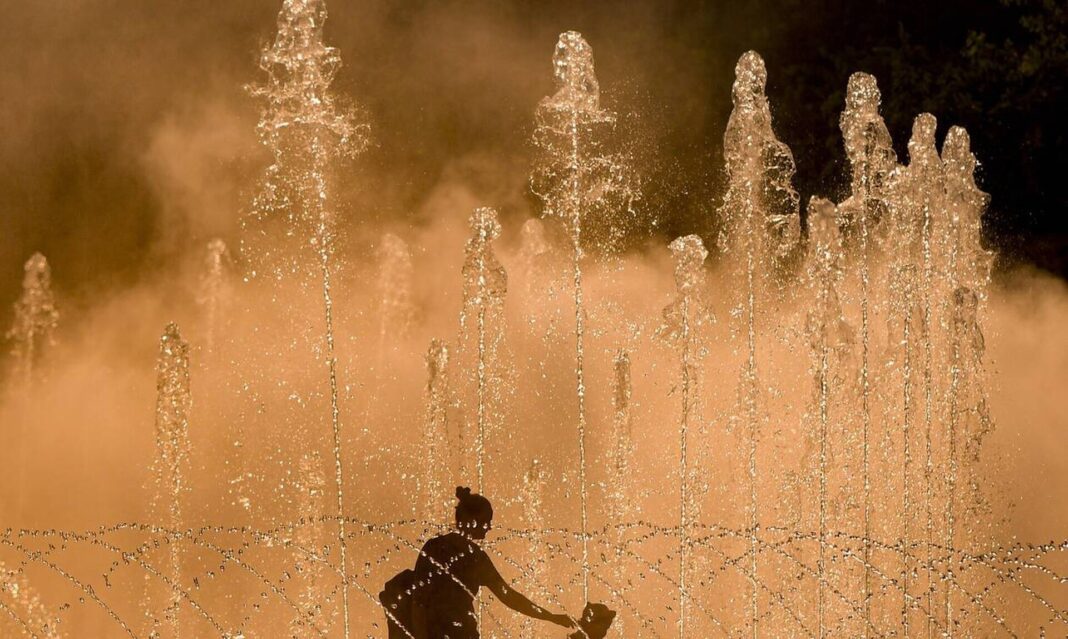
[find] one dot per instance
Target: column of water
(435, 434)
(306, 132)
(825, 327)
(967, 269)
(929, 191)
(31, 333)
(872, 159)
(689, 254)
(761, 228)
(173, 403)
(621, 480)
(214, 290)
(485, 284)
(569, 180)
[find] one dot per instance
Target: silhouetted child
(437, 599)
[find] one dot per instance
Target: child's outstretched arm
(517, 602)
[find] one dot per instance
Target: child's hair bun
(462, 491)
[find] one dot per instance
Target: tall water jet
(682, 321)
(931, 183)
(903, 295)
(396, 279)
(578, 96)
(872, 159)
(828, 336)
(485, 285)
(916, 196)
(171, 466)
(306, 132)
(534, 517)
(969, 264)
(621, 495)
(33, 331)
(309, 536)
(587, 188)
(435, 433)
(761, 227)
(215, 290)
(540, 275)
(967, 269)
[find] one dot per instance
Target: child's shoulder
(451, 541)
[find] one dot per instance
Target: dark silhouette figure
(437, 599)
(595, 622)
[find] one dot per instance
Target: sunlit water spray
(33, 331)
(485, 284)
(967, 265)
(437, 477)
(830, 338)
(623, 494)
(307, 132)
(171, 467)
(32, 334)
(395, 282)
(761, 227)
(216, 290)
(683, 320)
(871, 157)
(586, 187)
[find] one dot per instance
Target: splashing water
(395, 282)
(36, 319)
(22, 603)
(171, 466)
(683, 319)
(485, 285)
(830, 338)
(623, 493)
(761, 227)
(215, 290)
(306, 131)
(584, 187)
(31, 334)
(871, 157)
(760, 212)
(436, 433)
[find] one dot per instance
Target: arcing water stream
(823, 441)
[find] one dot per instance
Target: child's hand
(562, 620)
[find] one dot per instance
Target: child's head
(474, 514)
